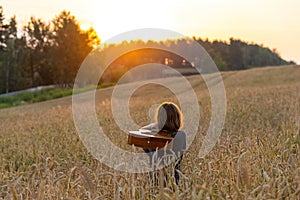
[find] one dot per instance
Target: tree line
(232, 55)
(238, 55)
(42, 53)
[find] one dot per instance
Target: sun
(85, 26)
(114, 19)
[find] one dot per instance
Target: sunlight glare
(85, 26)
(116, 17)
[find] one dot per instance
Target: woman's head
(169, 117)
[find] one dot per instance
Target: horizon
(263, 23)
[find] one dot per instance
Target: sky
(273, 23)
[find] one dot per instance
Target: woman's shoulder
(180, 134)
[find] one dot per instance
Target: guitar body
(148, 140)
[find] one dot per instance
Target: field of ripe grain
(256, 157)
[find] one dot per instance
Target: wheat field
(256, 157)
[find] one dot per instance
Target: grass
(43, 95)
(256, 157)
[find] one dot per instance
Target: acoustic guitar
(150, 140)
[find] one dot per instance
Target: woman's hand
(151, 127)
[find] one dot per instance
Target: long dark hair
(169, 117)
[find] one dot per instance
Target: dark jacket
(162, 157)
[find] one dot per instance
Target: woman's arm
(150, 127)
(179, 143)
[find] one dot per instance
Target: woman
(169, 120)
